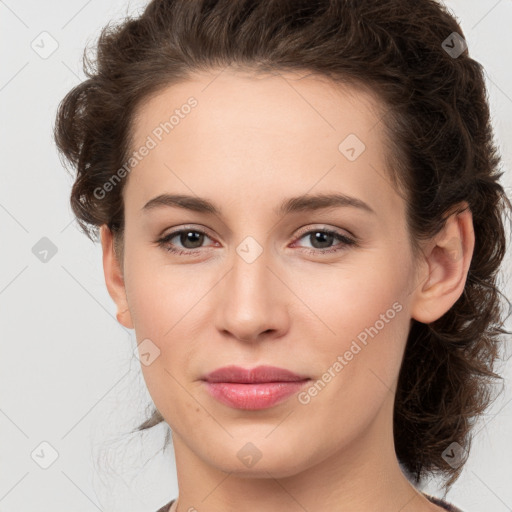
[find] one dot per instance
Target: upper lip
(247, 376)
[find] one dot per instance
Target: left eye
(324, 237)
(192, 239)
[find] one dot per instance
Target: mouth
(253, 389)
(260, 374)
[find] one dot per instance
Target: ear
(114, 277)
(444, 267)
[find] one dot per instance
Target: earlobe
(447, 258)
(114, 279)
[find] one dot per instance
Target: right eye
(195, 237)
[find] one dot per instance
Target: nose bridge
(250, 299)
(249, 279)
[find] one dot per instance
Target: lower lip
(253, 396)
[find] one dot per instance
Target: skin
(251, 142)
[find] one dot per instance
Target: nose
(252, 302)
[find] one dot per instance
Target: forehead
(298, 102)
(247, 131)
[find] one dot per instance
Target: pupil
(197, 238)
(322, 238)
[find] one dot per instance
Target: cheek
(354, 298)
(360, 362)
(161, 296)
(364, 319)
(164, 304)
(168, 305)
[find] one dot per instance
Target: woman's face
(260, 281)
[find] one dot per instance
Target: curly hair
(413, 57)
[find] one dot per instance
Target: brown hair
(441, 152)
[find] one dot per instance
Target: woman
(300, 217)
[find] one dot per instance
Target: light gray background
(69, 377)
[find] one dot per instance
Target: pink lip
(259, 388)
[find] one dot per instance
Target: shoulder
(437, 501)
(166, 507)
(442, 503)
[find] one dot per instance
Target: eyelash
(164, 242)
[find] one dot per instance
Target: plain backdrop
(71, 387)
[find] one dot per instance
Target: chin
(274, 468)
(258, 458)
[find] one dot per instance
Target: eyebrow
(290, 205)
